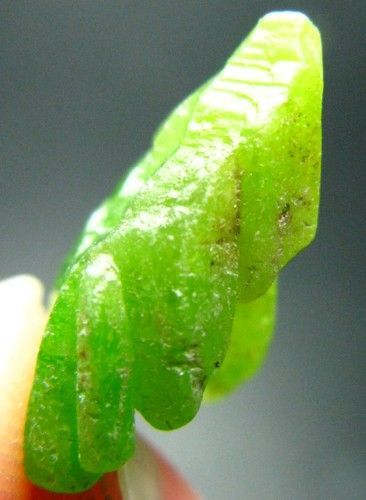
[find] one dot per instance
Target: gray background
(83, 85)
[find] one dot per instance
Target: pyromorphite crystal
(250, 336)
(176, 268)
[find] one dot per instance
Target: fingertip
(22, 319)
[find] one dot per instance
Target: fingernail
(139, 477)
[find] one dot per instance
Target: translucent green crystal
(250, 337)
(177, 267)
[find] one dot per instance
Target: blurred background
(83, 86)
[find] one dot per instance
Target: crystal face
(170, 292)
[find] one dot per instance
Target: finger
(148, 475)
(22, 318)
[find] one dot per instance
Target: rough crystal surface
(176, 268)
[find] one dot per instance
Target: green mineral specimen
(177, 268)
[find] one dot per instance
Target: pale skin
(22, 318)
